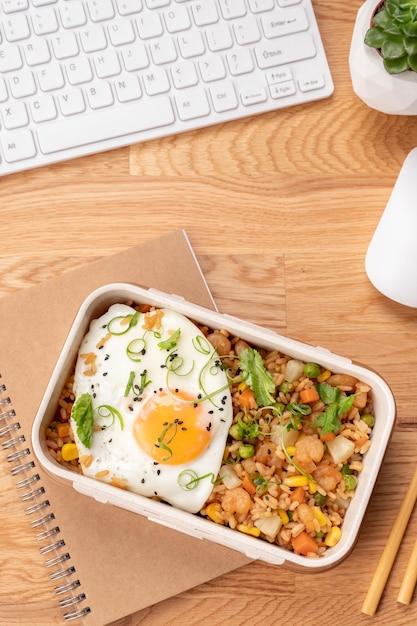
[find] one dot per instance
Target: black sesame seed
(105, 373)
(158, 471)
(142, 481)
(195, 405)
(211, 412)
(221, 408)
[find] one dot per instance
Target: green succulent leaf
(393, 48)
(375, 37)
(412, 61)
(396, 66)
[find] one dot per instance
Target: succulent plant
(394, 33)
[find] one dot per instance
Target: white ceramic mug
(391, 259)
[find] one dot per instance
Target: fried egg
(153, 405)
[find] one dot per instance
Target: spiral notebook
(142, 562)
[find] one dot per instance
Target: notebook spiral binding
(23, 467)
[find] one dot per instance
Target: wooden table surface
(280, 210)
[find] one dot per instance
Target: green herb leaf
(327, 393)
(339, 404)
(171, 342)
(83, 415)
(329, 421)
(256, 376)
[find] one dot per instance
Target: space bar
(105, 124)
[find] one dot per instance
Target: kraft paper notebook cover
(131, 563)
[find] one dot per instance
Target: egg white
(115, 454)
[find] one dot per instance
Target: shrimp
(309, 451)
(327, 476)
(265, 454)
(236, 500)
(306, 516)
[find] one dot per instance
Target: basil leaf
(83, 415)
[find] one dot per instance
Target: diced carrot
(62, 430)
(309, 395)
(248, 485)
(304, 543)
(298, 495)
(328, 437)
(246, 399)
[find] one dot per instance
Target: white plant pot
(393, 94)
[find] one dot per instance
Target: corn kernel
(319, 515)
(284, 516)
(242, 386)
(333, 536)
(323, 376)
(213, 510)
(69, 451)
(249, 530)
(291, 450)
(312, 487)
(295, 481)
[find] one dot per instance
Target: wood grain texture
(280, 210)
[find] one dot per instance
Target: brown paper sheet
(123, 561)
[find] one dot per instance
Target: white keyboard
(82, 76)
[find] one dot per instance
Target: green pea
(312, 370)
(345, 470)
(286, 387)
(319, 499)
(246, 450)
(235, 431)
(368, 419)
(350, 482)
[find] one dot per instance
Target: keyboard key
(36, 51)
(310, 83)
(16, 27)
(65, 45)
(129, 7)
(106, 124)
(14, 115)
(149, 25)
(184, 75)
(212, 68)
(246, 31)
(177, 19)
(285, 50)
(51, 77)
(22, 84)
(128, 88)
(44, 21)
(121, 32)
(93, 38)
(12, 6)
(240, 62)
(282, 90)
(284, 22)
(205, 13)
(223, 96)
(42, 108)
(18, 146)
(73, 14)
(253, 94)
(100, 10)
(99, 95)
(192, 104)
(232, 8)
(71, 102)
(219, 38)
(156, 81)
(10, 58)
(259, 6)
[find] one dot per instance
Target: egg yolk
(172, 428)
